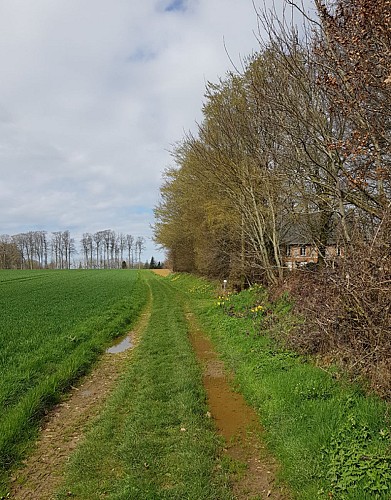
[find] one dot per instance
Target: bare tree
(97, 237)
(10, 256)
(113, 249)
(87, 246)
(130, 247)
(140, 247)
(121, 243)
(68, 248)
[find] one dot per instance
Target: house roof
(304, 229)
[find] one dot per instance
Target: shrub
(346, 309)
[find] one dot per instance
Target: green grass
(53, 326)
(154, 439)
(329, 437)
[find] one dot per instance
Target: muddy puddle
(121, 345)
(237, 423)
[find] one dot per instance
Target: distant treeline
(58, 250)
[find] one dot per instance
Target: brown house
(300, 248)
(299, 255)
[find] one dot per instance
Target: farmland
(156, 435)
(53, 326)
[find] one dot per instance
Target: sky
(93, 96)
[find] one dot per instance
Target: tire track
(65, 425)
(237, 423)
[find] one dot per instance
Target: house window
(288, 250)
(302, 251)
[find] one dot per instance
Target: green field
(53, 326)
(154, 439)
(331, 439)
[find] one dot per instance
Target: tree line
(301, 133)
(57, 250)
(298, 139)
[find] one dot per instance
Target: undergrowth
(346, 309)
(331, 439)
(357, 465)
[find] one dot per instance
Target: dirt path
(65, 426)
(162, 272)
(237, 423)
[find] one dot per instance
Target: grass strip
(54, 360)
(154, 440)
(331, 439)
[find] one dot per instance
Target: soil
(162, 272)
(238, 424)
(66, 424)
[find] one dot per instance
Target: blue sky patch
(141, 55)
(176, 5)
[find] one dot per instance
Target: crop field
(156, 436)
(53, 325)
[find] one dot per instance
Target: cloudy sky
(93, 93)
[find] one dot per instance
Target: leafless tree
(121, 244)
(10, 256)
(139, 247)
(87, 246)
(129, 245)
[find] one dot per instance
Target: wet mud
(238, 423)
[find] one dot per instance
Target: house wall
(301, 255)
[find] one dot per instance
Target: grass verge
(154, 440)
(56, 325)
(331, 439)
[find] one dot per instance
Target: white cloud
(93, 93)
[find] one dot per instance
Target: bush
(346, 309)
